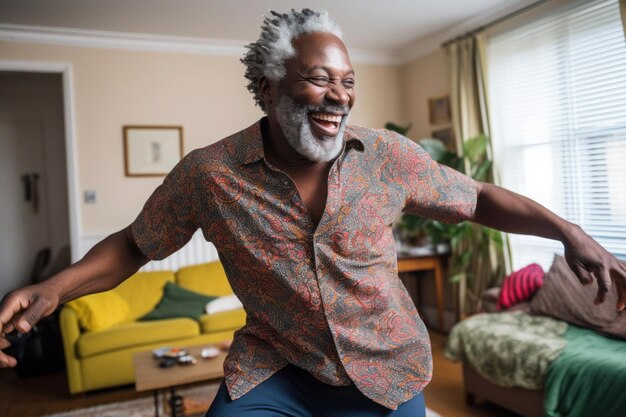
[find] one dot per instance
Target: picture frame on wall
(446, 136)
(439, 110)
(151, 151)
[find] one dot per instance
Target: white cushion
(225, 303)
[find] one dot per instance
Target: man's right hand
(20, 310)
(104, 267)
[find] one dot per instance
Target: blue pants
(293, 392)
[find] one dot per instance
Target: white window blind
(557, 95)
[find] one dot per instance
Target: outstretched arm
(510, 212)
(104, 267)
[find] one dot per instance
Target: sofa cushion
(223, 303)
(179, 302)
(562, 296)
(226, 320)
(143, 291)
(209, 278)
(101, 310)
(133, 334)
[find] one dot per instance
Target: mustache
(327, 107)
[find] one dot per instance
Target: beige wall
(204, 94)
(422, 79)
(378, 95)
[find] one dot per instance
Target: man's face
(314, 98)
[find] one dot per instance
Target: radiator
(196, 251)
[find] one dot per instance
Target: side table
(433, 263)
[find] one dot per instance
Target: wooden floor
(36, 396)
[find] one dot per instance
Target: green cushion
(179, 302)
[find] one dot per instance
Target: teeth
(335, 118)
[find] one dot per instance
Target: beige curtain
(468, 98)
(622, 7)
(470, 118)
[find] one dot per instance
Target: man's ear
(265, 90)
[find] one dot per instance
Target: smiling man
(300, 206)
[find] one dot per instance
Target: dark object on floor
(42, 259)
(39, 351)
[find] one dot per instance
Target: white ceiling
(376, 27)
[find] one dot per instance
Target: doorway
(34, 204)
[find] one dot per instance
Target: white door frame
(71, 155)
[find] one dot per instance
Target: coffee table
(150, 377)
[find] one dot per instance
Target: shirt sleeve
(168, 219)
(435, 191)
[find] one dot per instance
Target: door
(24, 213)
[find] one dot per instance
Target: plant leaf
(435, 148)
(403, 130)
(475, 148)
(457, 277)
(483, 171)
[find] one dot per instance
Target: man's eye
(319, 81)
(349, 83)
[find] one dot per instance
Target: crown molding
(160, 43)
(371, 57)
(428, 44)
(120, 40)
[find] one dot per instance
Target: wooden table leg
(439, 294)
(156, 402)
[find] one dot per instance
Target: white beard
(294, 122)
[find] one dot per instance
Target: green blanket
(509, 349)
(588, 378)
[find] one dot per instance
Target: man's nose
(337, 93)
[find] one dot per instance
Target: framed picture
(446, 136)
(151, 151)
(439, 110)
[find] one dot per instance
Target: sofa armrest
(490, 299)
(70, 333)
(490, 302)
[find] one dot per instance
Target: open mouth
(326, 124)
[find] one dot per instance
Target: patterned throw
(496, 344)
(520, 286)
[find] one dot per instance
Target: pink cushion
(520, 286)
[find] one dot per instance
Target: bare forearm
(507, 211)
(510, 212)
(104, 267)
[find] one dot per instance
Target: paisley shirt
(328, 298)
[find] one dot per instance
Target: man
(300, 207)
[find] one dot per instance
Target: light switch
(90, 196)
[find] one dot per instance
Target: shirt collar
(252, 143)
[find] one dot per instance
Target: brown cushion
(617, 328)
(562, 296)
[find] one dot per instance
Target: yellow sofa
(102, 358)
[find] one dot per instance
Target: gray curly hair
(267, 56)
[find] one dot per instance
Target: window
(557, 94)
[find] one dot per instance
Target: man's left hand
(587, 259)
